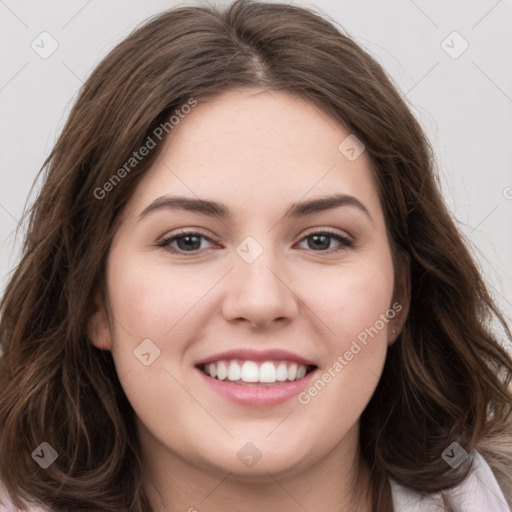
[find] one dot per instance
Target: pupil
(187, 245)
(324, 245)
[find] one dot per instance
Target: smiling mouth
(252, 373)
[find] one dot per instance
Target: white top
(478, 492)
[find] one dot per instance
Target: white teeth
(212, 370)
(234, 372)
(222, 370)
(281, 372)
(250, 371)
(292, 372)
(267, 373)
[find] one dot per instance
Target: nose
(260, 292)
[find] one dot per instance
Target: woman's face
(258, 289)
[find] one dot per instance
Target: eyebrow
(221, 211)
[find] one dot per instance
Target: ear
(98, 325)
(401, 297)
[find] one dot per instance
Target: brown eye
(186, 242)
(321, 241)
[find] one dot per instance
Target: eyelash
(345, 242)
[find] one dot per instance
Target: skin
(257, 152)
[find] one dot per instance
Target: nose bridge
(259, 293)
(256, 258)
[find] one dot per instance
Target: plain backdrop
(452, 60)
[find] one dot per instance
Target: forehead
(253, 147)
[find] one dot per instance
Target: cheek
(151, 301)
(357, 308)
(354, 301)
(362, 305)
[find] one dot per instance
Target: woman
(241, 289)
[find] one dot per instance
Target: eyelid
(346, 241)
(192, 230)
(184, 232)
(330, 231)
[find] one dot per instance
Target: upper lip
(256, 355)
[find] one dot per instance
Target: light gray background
(464, 103)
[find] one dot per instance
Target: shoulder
(477, 492)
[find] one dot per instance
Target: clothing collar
(478, 492)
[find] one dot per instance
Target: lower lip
(257, 396)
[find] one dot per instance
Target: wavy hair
(447, 377)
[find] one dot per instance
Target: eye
(190, 242)
(187, 241)
(321, 240)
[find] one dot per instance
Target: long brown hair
(447, 378)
